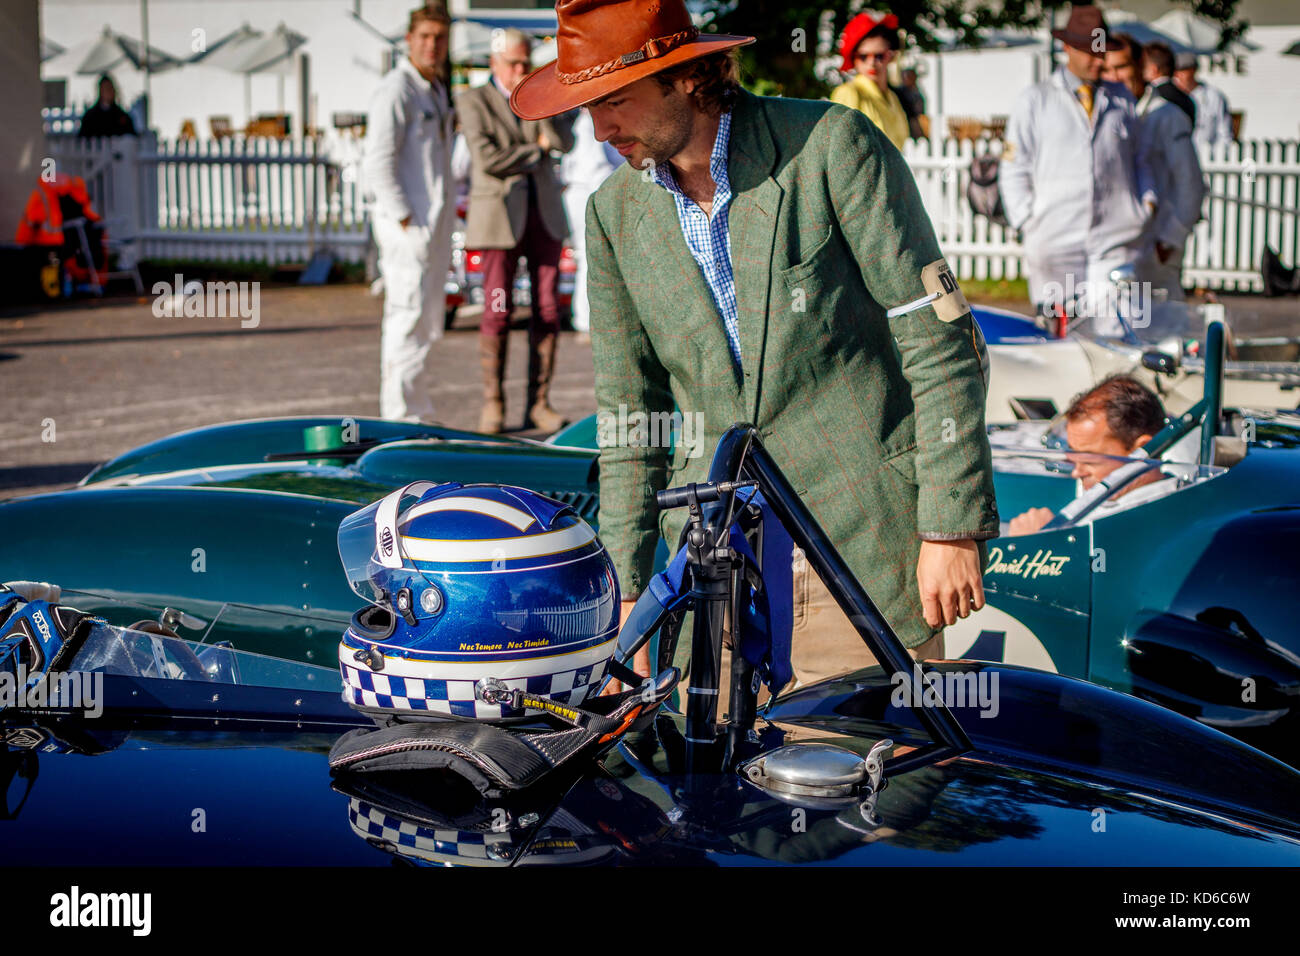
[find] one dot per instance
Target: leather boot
(492, 359)
(541, 368)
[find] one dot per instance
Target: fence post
(310, 199)
(126, 195)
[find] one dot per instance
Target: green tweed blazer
(877, 422)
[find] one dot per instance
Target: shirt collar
(870, 87)
(1072, 82)
(405, 64)
(717, 162)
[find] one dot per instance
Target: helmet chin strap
(648, 689)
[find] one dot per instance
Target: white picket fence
(975, 247)
(250, 199)
(278, 201)
(1253, 201)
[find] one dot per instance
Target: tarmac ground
(87, 380)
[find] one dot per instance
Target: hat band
(654, 47)
(1081, 41)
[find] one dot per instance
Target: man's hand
(1031, 521)
(640, 662)
(950, 579)
(543, 142)
(405, 222)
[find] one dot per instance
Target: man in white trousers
(407, 169)
(582, 170)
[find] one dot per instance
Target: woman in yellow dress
(868, 46)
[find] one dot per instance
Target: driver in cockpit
(1104, 426)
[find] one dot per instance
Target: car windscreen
(1098, 484)
(126, 652)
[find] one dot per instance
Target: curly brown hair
(717, 80)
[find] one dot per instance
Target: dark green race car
(1187, 598)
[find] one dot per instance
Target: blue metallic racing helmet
(472, 587)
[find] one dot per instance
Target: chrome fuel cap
(821, 771)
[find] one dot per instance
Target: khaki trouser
(824, 642)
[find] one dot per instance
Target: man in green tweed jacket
(878, 422)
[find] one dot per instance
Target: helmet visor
(369, 545)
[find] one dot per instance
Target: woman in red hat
(868, 46)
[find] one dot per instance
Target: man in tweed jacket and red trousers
(743, 266)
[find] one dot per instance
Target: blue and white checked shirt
(708, 238)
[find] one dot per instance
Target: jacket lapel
(1065, 81)
(755, 203)
(499, 105)
(1100, 103)
(666, 255)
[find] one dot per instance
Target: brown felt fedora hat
(1081, 30)
(605, 45)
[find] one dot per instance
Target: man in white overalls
(1075, 178)
(407, 169)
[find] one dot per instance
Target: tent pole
(144, 53)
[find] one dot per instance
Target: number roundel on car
(991, 634)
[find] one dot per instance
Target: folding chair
(78, 225)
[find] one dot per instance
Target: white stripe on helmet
(484, 506)
(498, 549)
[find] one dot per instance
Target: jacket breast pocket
(816, 286)
(812, 261)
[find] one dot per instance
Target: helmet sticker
(386, 522)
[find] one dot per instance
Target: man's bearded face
(644, 122)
